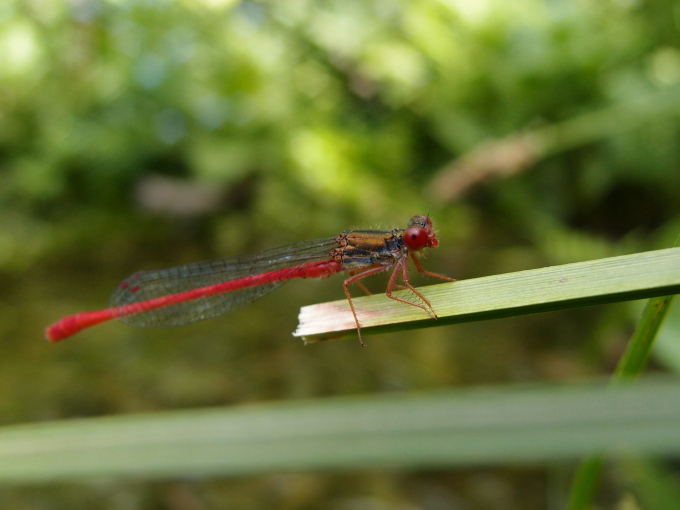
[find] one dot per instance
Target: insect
(202, 290)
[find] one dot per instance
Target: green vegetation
(443, 429)
(491, 297)
(143, 133)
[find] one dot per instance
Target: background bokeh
(145, 133)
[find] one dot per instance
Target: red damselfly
(202, 290)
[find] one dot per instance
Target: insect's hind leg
(355, 278)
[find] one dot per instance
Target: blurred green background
(137, 134)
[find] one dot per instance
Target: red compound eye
(415, 238)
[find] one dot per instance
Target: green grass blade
(461, 428)
(629, 367)
(585, 482)
(642, 275)
(637, 352)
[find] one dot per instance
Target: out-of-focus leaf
(459, 428)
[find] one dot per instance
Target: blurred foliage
(142, 133)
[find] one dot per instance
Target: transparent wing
(147, 285)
